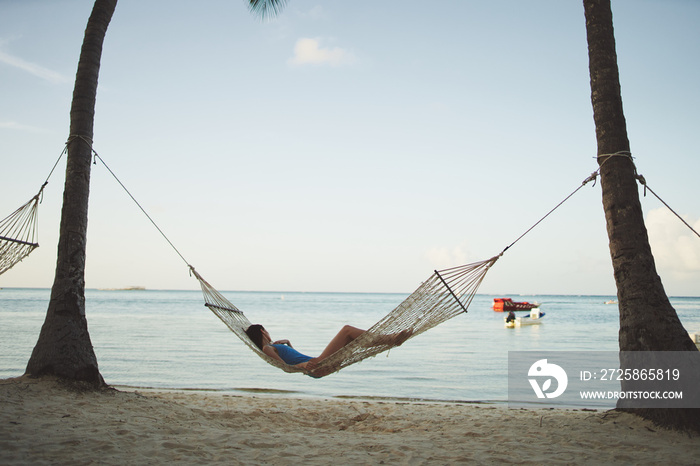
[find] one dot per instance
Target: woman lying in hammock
(282, 350)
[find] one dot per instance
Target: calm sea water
(168, 339)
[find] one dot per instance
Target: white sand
(44, 422)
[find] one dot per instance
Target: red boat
(507, 305)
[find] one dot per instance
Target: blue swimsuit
(290, 355)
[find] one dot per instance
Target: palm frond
(266, 9)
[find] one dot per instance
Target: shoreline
(48, 421)
(295, 394)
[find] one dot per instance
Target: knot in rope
(621, 153)
(643, 182)
(87, 140)
(593, 178)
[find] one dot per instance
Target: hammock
(18, 232)
(445, 294)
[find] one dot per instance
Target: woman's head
(255, 333)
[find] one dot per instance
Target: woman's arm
(283, 342)
(272, 352)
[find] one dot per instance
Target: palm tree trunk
(648, 322)
(64, 348)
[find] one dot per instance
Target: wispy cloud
(310, 52)
(12, 125)
(32, 68)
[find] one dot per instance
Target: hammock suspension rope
(19, 230)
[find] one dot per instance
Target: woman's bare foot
(402, 336)
(393, 339)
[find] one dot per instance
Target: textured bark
(648, 322)
(64, 348)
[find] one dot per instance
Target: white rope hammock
(444, 295)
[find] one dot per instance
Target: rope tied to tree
(621, 153)
(97, 157)
(640, 178)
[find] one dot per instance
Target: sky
(350, 146)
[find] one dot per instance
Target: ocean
(169, 340)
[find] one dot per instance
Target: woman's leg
(342, 338)
(345, 336)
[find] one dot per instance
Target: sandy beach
(43, 421)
